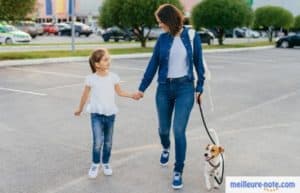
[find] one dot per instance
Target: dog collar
(214, 166)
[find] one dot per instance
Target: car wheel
(8, 41)
(208, 41)
(285, 44)
(77, 34)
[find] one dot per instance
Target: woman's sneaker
(107, 169)
(93, 172)
(164, 157)
(177, 181)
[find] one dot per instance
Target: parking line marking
(268, 102)
(49, 72)
(23, 91)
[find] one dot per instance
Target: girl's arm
(84, 98)
(122, 93)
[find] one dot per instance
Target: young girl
(101, 85)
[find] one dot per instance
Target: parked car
(28, 27)
(117, 34)
(50, 28)
(288, 41)
(80, 29)
(154, 33)
(40, 29)
(206, 37)
(63, 29)
(10, 35)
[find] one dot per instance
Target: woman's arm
(198, 62)
(151, 68)
(84, 98)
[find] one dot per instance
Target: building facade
(86, 10)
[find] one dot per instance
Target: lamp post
(73, 24)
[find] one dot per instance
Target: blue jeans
(102, 127)
(176, 95)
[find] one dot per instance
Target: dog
(213, 165)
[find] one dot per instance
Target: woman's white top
(102, 97)
(178, 66)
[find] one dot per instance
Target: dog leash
(219, 181)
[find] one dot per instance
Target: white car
(11, 35)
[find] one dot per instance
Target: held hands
(138, 95)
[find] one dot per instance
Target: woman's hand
(138, 95)
(198, 98)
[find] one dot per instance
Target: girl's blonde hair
(96, 57)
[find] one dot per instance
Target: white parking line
(48, 72)
(255, 107)
(128, 68)
(23, 91)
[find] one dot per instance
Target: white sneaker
(93, 172)
(107, 169)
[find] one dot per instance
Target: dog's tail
(215, 136)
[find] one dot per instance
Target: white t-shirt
(178, 59)
(102, 98)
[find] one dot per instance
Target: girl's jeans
(102, 127)
(178, 95)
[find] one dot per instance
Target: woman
(174, 59)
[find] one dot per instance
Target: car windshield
(10, 28)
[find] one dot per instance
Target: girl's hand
(78, 112)
(138, 95)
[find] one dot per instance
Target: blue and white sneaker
(177, 181)
(164, 157)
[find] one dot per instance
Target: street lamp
(73, 24)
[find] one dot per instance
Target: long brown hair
(171, 16)
(96, 57)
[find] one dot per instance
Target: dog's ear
(221, 149)
(207, 147)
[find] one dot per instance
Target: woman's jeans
(178, 95)
(102, 127)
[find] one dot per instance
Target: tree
(12, 10)
(270, 17)
(135, 14)
(221, 15)
(297, 23)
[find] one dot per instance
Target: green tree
(297, 23)
(271, 17)
(221, 15)
(12, 10)
(135, 14)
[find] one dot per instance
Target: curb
(25, 62)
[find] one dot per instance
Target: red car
(50, 28)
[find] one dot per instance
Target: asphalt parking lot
(252, 101)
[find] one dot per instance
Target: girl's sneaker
(107, 169)
(93, 172)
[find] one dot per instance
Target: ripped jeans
(102, 128)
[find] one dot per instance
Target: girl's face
(104, 63)
(163, 26)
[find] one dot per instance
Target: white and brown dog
(213, 165)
